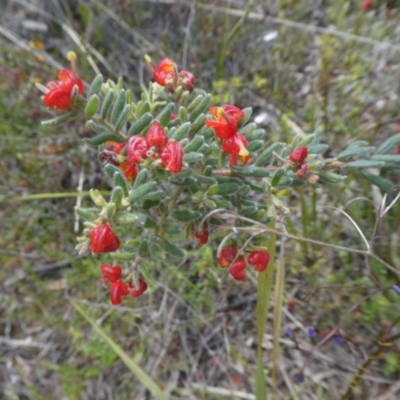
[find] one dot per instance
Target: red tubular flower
(129, 169)
(227, 255)
(172, 157)
(260, 259)
(137, 292)
(118, 289)
(103, 239)
(301, 173)
(60, 92)
(164, 72)
(236, 146)
(137, 148)
(110, 273)
(299, 155)
(156, 136)
(115, 147)
(238, 269)
(202, 237)
(227, 118)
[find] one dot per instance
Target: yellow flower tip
(147, 59)
(243, 152)
(220, 112)
(71, 56)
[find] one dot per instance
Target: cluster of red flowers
(298, 157)
(166, 74)
(119, 288)
(59, 93)
(237, 265)
(155, 146)
(224, 122)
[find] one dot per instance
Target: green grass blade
(135, 368)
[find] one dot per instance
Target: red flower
(227, 255)
(156, 136)
(118, 289)
(137, 148)
(225, 124)
(137, 292)
(165, 72)
(238, 269)
(103, 239)
(366, 5)
(172, 157)
(110, 273)
(129, 169)
(60, 92)
(236, 146)
(187, 80)
(301, 173)
(115, 147)
(202, 237)
(299, 155)
(260, 259)
(173, 116)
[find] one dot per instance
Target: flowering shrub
(177, 164)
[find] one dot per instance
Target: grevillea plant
(180, 167)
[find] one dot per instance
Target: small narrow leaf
(389, 144)
(278, 175)
(201, 108)
(108, 99)
(169, 247)
(227, 188)
(95, 86)
(141, 124)
(118, 106)
(123, 117)
(92, 105)
(186, 215)
(102, 138)
(266, 156)
(192, 157)
(140, 192)
(120, 181)
(181, 132)
(355, 152)
(383, 184)
(360, 164)
(165, 114)
(123, 256)
(62, 119)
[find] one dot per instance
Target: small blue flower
(338, 339)
(299, 378)
(396, 289)
(311, 332)
(290, 333)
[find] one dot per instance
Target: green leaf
(116, 196)
(360, 164)
(355, 152)
(206, 180)
(192, 157)
(125, 217)
(248, 129)
(128, 360)
(141, 178)
(389, 144)
(171, 228)
(266, 156)
(92, 105)
(123, 256)
(169, 247)
(306, 141)
(89, 214)
(201, 108)
(197, 124)
(110, 170)
(143, 249)
(123, 117)
(255, 145)
(257, 172)
(102, 138)
(391, 158)
(183, 115)
(248, 111)
(62, 119)
(181, 132)
(118, 106)
(227, 188)
(143, 109)
(194, 144)
(95, 86)
(318, 148)
(140, 192)
(278, 175)
(331, 177)
(186, 215)
(108, 99)
(383, 184)
(256, 134)
(195, 102)
(120, 181)
(165, 114)
(141, 125)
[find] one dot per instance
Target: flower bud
(202, 237)
(156, 136)
(238, 269)
(103, 239)
(227, 255)
(110, 273)
(137, 148)
(260, 259)
(187, 79)
(164, 71)
(299, 155)
(137, 292)
(172, 157)
(301, 173)
(118, 289)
